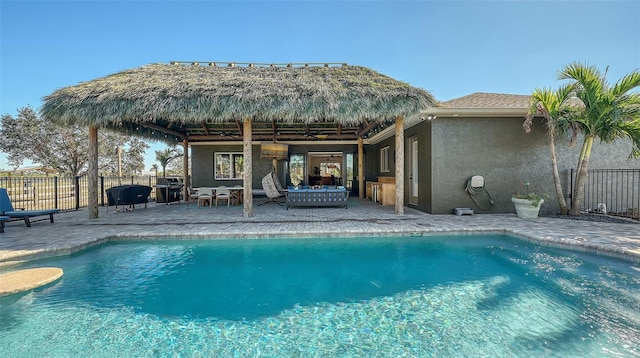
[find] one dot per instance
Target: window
(350, 170)
(228, 166)
(330, 169)
(384, 160)
(296, 169)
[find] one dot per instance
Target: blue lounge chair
(6, 209)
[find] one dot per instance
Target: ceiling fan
(314, 134)
(224, 133)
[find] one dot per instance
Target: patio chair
(6, 209)
(193, 195)
(222, 193)
(272, 188)
(205, 195)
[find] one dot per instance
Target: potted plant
(527, 205)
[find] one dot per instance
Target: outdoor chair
(193, 195)
(6, 209)
(222, 193)
(205, 195)
(272, 188)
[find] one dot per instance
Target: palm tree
(155, 168)
(166, 156)
(553, 107)
(609, 113)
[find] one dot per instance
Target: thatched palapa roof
(207, 102)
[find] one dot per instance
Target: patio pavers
(74, 231)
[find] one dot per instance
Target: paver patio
(74, 231)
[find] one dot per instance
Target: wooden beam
(185, 168)
(247, 181)
(281, 137)
(399, 165)
(369, 127)
(164, 130)
(274, 127)
(92, 173)
(205, 127)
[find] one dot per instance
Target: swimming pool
(364, 297)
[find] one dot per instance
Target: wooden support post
(399, 166)
(92, 174)
(185, 168)
(361, 187)
(248, 169)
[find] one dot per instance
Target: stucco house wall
(423, 133)
(202, 165)
(452, 147)
(499, 150)
(202, 171)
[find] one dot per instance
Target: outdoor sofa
(317, 197)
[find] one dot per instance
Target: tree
(65, 148)
(609, 113)
(164, 157)
(556, 110)
(176, 166)
(132, 157)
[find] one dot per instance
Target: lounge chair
(272, 188)
(6, 209)
(2, 220)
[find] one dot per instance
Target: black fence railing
(64, 193)
(616, 191)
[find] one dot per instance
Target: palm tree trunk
(581, 176)
(556, 176)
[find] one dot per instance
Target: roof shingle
(489, 100)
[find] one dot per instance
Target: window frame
(233, 175)
(384, 160)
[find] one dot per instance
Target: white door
(413, 170)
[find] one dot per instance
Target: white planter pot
(525, 208)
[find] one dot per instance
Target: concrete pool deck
(74, 231)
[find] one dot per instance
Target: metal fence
(617, 191)
(63, 193)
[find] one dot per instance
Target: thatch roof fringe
(189, 95)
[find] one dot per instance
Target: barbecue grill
(168, 190)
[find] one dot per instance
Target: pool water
(364, 297)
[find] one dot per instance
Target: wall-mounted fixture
(275, 151)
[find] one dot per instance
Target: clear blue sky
(451, 48)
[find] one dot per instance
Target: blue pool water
(367, 297)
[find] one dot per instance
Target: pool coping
(564, 243)
(73, 231)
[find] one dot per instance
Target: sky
(450, 48)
